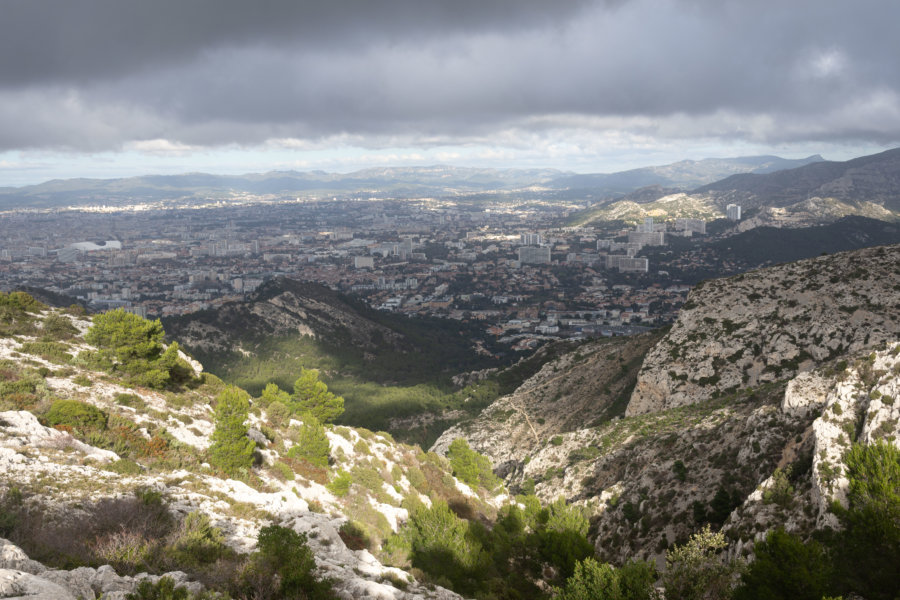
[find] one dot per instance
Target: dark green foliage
(197, 542)
(312, 443)
(443, 545)
(785, 569)
(311, 396)
(58, 327)
(164, 589)
(470, 467)
(563, 538)
(132, 346)
(680, 470)
(273, 393)
(76, 415)
(599, 581)
(697, 571)
(340, 484)
(282, 568)
(21, 302)
(868, 549)
(231, 450)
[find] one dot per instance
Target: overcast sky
(105, 88)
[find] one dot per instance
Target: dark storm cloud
(95, 75)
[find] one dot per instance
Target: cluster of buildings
(508, 264)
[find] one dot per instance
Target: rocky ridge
(589, 385)
(745, 445)
(768, 325)
(58, 474)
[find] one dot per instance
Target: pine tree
(312, 396)
(231, 450)
(312, 443)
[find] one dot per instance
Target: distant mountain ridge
(396, 181)
(874, 178)
(683, 175)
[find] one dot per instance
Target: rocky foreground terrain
(740, 416)
(54, 485)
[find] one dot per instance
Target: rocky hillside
(91, 465)
(874, 178)
(741, 417)
(588, 386)
(768, 325)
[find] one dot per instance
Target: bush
(312, 396)
(441, 544)
(354, 536)
(340, 484)
(231, 450)
(470, 467)
(132, 345)
(281, 567)
(196, 542)
(58, 327)
(312, 443)
(164, 589)
(77, 415)
(868, 549)
(278, 413)
(563, 539)
(785, 569)
(695, 571)
(595, 581)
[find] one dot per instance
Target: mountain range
(395, 181)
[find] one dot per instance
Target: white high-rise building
(733, 212)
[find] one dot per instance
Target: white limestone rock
(19, 585)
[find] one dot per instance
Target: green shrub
(283, 471)
(696, 571)
(124, 466)
(354, 536)
(556, 440)
(131, 345)
(77, 415)
(592, 580)
(470, 467)
(58, 327)
(868, 549)
(197, 542)
(340, 483)
(780, 492)
(82, 380)
(132, 400)
(282, 567)
(785, 569)
(278, 413)
(164, 589)
(312, 443)
(231, 451)
(312, 396)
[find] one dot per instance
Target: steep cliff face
(768, 325)
(585, 387)
(741, 416)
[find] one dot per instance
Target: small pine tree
(231, 450)
(312, 396)
(470, 467)
(312, 443)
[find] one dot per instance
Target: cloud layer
(563, 76)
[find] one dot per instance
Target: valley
(502, 427)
